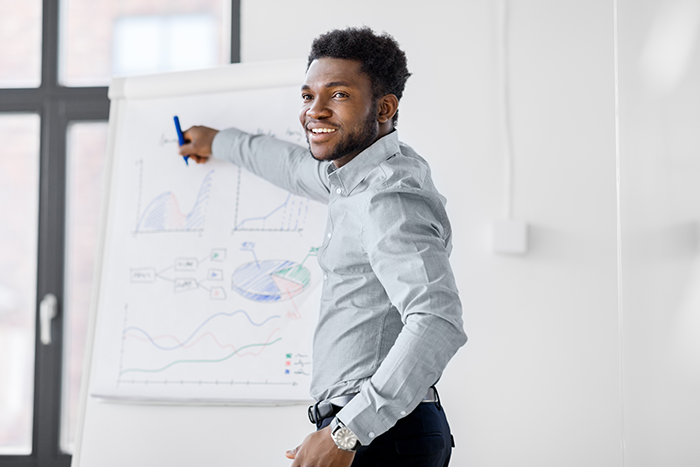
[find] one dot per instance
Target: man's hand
(319, 450)
(198, 146)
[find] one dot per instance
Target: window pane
(87, 143)
(19, 182)
(105, 38)
(20, 39)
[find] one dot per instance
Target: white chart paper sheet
(210, 283)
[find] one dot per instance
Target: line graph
(215, 360)
(180, 344)
(164, 214)
(201, 351)
(288, 214)
(183, 343)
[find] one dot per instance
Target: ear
(387, 108)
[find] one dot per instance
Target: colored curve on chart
(163, 213)
(287, 217)
(270, 280)
(262, 346)
(182, 344)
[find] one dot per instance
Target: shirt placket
(335, 191)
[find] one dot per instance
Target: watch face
(345, 439)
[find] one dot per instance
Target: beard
(354, 142)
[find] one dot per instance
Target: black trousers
(421, 439)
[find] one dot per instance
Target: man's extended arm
(284, 164)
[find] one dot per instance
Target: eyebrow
(332, 84)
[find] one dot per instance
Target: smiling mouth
(319, 131)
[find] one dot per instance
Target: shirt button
(329, 235)
(338, 190)
(403, 412)
(371, 434)
(325, 277)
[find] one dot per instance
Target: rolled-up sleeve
(406, 238)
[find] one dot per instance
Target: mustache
(329, 125)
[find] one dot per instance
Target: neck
(384, 129)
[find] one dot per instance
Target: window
(19, 182)
(104, 38)
(58, 58)
(20, 25)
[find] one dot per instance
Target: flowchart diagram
(187, 274)
(270, 280)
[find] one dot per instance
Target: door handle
(47, 312)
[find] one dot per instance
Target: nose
(318, 109)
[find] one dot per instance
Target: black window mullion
(47, 376)
(47, 386)
(21, 100)
(49, 44)
(235, 31)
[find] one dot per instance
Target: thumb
(292, 453)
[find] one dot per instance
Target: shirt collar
(351, 174)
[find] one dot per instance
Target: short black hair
(380, 55)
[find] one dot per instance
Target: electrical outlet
(509, 237)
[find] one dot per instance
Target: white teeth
(322, 130)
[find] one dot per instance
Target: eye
(340, 95)
(306, 97)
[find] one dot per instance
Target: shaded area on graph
(287, 216)
(163, 213)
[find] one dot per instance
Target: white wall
(541, 381)
(660, 168)
(538, 383)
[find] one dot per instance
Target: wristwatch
(343, 436)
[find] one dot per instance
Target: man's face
(339, 112)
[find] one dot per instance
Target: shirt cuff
(363, 420)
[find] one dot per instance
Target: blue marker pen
(180, 137)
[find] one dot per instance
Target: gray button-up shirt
(390, 316)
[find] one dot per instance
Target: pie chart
(270, 280)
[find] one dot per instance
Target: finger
(190, 135)
(188, 132)
(186, 149)
(292, 453)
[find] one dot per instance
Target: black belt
(329, 407)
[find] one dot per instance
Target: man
(390, 316)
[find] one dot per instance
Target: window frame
(58, 106)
